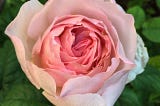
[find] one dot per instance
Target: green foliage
(7, 15)
(158, 3)
(15, 89)
(151, 29)
(155, 62)
(144, 91)
(136, 2)
(138, 14)
(147, 86)
(128, 98)
(24, 95)
(8, 68)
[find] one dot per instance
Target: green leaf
(10, 71)
(128, 98)
(15, 89)
(135, 2)
(155, 62)
(139, 15)
(7, 15)
(155, 98)
(147, 85)
(24, 95)
(158, 3)
(151, 29)
(43, 1)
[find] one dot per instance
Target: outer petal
(52, 10)
(141, 60)
(112, 1)
(86, 84)
(17, 31)
(43, 78)
(113, 87)
(77, 100)
(124, 24)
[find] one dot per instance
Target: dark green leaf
(10, 71)
(151, 29)
(136, 2)
(128, 98)
(24, 95)
(155, 62)
(14, 87)
(158, 3)
(147, 85)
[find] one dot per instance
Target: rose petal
(88, 99)
(85, 84)
(141, 60)
(61, 75)
(45, 81)
(124, 24)
(17, 31)
(112, 1)
(18, 27)
(51, 10)
(87, 8)
(20, 52)
(113, 87)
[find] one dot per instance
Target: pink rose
(79, 52)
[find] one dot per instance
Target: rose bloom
(80, 52)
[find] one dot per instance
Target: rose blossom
(79, 52)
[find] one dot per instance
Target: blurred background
(16, 90)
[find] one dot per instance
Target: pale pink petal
(86, 84)
(124, 25)
(17, 31)
(39, 22)
(88, 99)
(43, 78)
(82, 85)
(44, 18)
(119, 19)
(126, 63)
(112, 1)
(18, 27)
(61, 75)
(113, 87)
(20, 52)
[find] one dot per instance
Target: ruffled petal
(88, 99)
(124, 25)
(141, 60)
(113, 87)
(43, 78)
(86, 84)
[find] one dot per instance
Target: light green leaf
(151, 29)
(139, 15)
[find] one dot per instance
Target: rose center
(82, 42)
